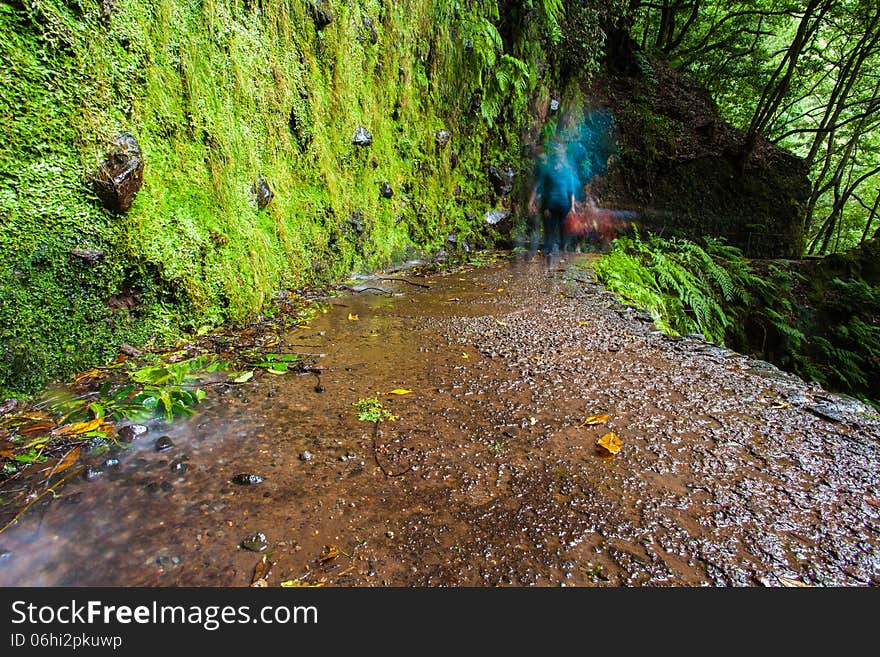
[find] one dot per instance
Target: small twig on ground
(50, 489)
(375, 290)
(405, 280)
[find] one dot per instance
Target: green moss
(218, 93)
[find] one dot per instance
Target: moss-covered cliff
(219, 95)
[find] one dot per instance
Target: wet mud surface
(731, 472)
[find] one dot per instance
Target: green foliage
(830, 335)
(678, 282)
(372, 410)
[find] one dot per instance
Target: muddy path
(731, 472)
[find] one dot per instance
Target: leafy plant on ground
(372, 410)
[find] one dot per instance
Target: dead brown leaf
(37, 427)
(69, 459)
(261, 572)
(873, 501)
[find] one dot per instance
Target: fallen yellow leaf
(353, 317)
(330, 553)
(295, 583)
(598, 418)
(500, 323)
(400, 391)
(465, 356)
(610, 443)
(501, 289)
(87, 375)
(78, 428)
(583, 323)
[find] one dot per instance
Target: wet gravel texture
(731, 473)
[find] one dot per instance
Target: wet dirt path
(731, 471)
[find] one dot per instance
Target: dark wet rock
(120, 175)
(369, 31)
(494, 217)
(255, 542)
(91, 472)
(157, 487)
(501, 177)
(305, 456)
(362, 137)
(320, 388)
(262, 193)
(247, 479)
(87, 254)
(322, 14)
(442, 137)
(166, 561)
(453, 160)
(452, 238)
(128, 350)
(385, 190)
(178, 467)
(164, 443)
(8, 406)
(131, 432)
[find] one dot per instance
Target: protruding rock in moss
(442, 137)
(494, 217)
(356, 223)
(501, 177)
(87, 254)
(369, 32)
(554, 105)
(362, 137)
(262, 193)
(121, 175)
(322, 14)
(385, 190)
(453, 160)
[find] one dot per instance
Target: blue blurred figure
(556, 188)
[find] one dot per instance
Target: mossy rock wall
(219, 93)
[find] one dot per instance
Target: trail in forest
(730, 471)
